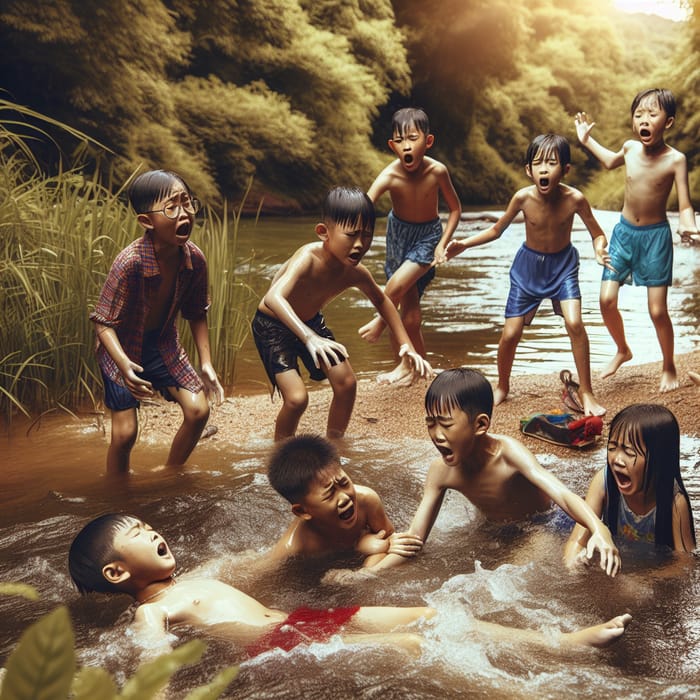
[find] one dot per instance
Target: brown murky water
(221, 507)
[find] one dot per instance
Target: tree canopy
(299, 93)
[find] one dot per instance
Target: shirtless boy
(641, 246)
(332, 514)
(498, 474)
(121, 554)
(546, 266)
(415, 240)
(138, 347)
(289, 325)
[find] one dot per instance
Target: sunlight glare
(670, 9)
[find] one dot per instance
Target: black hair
(296, 462)
(664, 97)
(349, 205)
(460, 387)
(92, 549)
(407, 117)
(547, 143)
(652, 430)
(148, 188)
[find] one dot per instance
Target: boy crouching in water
(289, 325)
(332, 514)
(121, 554)
(497, 473)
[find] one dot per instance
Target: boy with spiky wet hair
(151, 281)
(289, 325)
(415, 239)
(546, 265)
(497, 473)
(332, 514)
(641, 245)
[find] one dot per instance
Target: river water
(220, 509)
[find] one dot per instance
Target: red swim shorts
(303, 626)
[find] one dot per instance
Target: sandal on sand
(570, 396)
(563, 428)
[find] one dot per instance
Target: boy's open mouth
(162, 549)
(444, 451)
(544, 182)
(183, 230)
(356, 256)
(348, 512)
(645, 133)
(408, 159)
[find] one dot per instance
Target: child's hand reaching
(455, 247)
(610, 560)
(404, 544)
(325, 350)
(212, 387)
(687, 236)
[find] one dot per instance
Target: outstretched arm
(424, 518)
(576, 545)
(600, 538)
(459, 245)
(600, 242)
(608, 158)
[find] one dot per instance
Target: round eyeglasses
(172, 209)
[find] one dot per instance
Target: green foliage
(43, 667)
(58, 238)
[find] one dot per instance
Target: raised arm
(608, 158)
(600, 537)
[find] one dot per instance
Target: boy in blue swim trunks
(289, 325)
(138, 348)
(641, 248)
(546, 266)
(415, 239)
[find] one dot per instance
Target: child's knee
(345, 385)
(296, 400)
(124, 433)
(197, 412)
(575, 328)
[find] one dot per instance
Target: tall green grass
(58, 237)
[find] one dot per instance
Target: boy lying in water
(121, 554)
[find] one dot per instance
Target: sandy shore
(393, 413)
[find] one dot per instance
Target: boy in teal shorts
(641, 247)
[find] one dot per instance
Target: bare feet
(694, 377)
(402, 375)
(669, 381)
(372, 331)
(599, 636)
(499, 395)
(590, 406)
(614, 364)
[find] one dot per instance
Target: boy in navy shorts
(641, 246)
(138, 348)
(546, 266)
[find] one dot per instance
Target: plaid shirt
(125, 300)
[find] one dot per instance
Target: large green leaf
(91, 683)
(153, 675)
(43, 663)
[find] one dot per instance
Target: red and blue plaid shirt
(125, 299)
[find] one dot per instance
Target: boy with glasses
(138, 347)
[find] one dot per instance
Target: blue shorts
(119, 398)
(641, 254)
(414, 242)
(536, 276)
(279, 348)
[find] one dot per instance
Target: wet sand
(393, 413)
